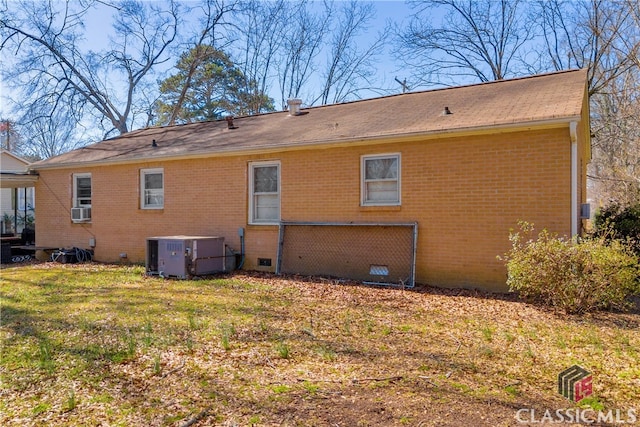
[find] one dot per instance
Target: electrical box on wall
(585, 211)
(185, 256)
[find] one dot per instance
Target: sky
(395, 11)
(98, 27)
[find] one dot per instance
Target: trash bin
(28, 236)
(5, 256)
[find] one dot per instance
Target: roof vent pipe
(230, 125)
(446, 111)
(294, 106)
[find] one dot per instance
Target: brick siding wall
(464, 192)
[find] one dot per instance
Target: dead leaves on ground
(255, 348)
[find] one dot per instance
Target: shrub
(620, 223)
(593, 274)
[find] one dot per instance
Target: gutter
(573, 132)
(309, 145)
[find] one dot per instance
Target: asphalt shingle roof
(540, 98)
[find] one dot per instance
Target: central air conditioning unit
(80, 214)
(185, 256)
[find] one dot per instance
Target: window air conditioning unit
(80, 214)
(185, 256)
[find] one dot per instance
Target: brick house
(464, 163)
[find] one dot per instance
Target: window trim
(143, 173)
(363, 180)
(252, 167)
(75, 199)
(75, 203)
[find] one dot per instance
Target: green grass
(283, 350)
(97, 344)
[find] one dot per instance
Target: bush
(594, 274)
(620, 223)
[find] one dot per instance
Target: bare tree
(259, 41)
(303, 41)
(350, 66)
(53, 66)
(602, 36)
(615, 166)
(480, 40)
(50, 133)
(278, 43)
(306, 49)
(599, 35)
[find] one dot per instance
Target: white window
(152, 188)
(264, 192)
(81, 210)
(82, 190)
(380, 180)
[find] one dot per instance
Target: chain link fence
(382, 254)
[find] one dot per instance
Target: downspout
(573, 133)
(15, 211)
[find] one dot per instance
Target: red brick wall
(464, 192)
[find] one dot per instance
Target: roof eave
(353, 141)
(17, 180)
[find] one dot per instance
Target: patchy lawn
(104, 345)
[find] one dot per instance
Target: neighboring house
(464, 163)
(17, 199)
